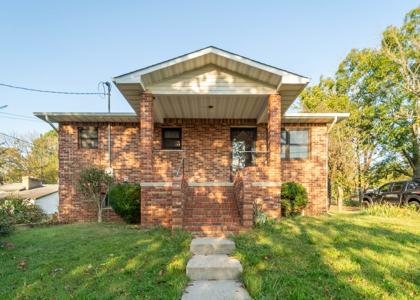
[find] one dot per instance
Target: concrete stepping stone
(209, 245)
(215, 290)
(213, 267)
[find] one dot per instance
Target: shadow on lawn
(319, 259)
(131, 264)
(368, 248)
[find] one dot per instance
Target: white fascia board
(317, 115)
(135, 76)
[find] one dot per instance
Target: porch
(210, 125)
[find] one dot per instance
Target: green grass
(91, 261)
(333, 257)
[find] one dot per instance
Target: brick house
(209, 139)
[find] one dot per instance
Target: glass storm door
(243, 147)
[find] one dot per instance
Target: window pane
(385, 188)
(397, 187)
(171, 134)
(299, 137)
(88, 137)
(283, 137)
(299, 152)
(171, 144)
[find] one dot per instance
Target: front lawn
(91, 261)
(333, 257)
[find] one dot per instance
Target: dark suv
(398, 193)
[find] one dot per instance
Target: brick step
(212, 220)
(218, 216)
(211, 205)
(212, 228)
(210, 210)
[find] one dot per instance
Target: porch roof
(210, 83)
(87, 117)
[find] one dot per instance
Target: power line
(13, 137)
(17, 115)
(48, 91)
(19, 118)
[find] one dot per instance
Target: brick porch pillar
(273, 189)
(146, 152)
(274, 138)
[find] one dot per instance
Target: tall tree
(384, 83)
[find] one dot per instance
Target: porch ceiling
(185, 87)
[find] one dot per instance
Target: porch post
(272, 200)
(146, 152)
(274, 138)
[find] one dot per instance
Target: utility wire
(13, 137)
(48, 91)
(17, 115)
(19, 118)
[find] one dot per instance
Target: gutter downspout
(50, 123)
(327, 202)
(108, 85)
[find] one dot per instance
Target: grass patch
(389, 210)
(333, 257)
(93, 261)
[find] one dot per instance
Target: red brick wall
(311, 173)
(72, 159)
(206, 145)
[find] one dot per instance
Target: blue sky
(72, 45)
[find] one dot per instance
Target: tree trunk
(416, 160)
(100, 216)
(340, 198)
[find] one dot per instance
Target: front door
(243, 147)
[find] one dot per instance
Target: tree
(92, 183)
(385, 83)
(401, 46)
(42, 160)
(35, 156)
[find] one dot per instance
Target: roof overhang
(322, 118)
(72, 117)
(87, 117)
(206, 74)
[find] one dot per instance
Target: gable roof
(288, 84)
(213, 52)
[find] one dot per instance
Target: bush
(92, 182)
(22, 211)
(6, 222)
(389, 210)
(260, 218)
(18, 211)
(125, 200)
(294, 198)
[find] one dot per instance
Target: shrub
(125, 200)
(294, 198)
(389, 210)
(6, 222)
(260, 218)
(92, 183)
(22, 211)
(18, 211)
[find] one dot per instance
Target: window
(88, 137)
(105, 200)
(398, 187)
(384, 188)
(171, 138)
(412, 186)
(295, 143)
